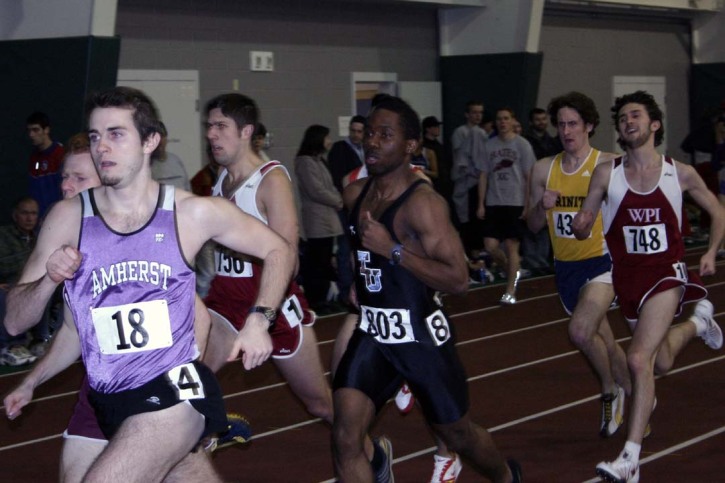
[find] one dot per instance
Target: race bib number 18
(141, 326)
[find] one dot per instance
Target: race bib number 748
(645, 240)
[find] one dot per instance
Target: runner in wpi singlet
(642, 195)
(559, 185)
(405, 249)
(123, 253)
(264, 191)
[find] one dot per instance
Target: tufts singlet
(394, 303)
(132, 298)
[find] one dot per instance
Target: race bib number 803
(388, 326)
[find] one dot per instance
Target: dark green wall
(499, 80)
(53, 76)
(707, 90)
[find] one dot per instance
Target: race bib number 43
(388, 326)
(562, 223)
(645, 240)
(141, 326)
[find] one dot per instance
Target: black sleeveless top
(382, 285)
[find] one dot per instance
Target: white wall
(42, 19)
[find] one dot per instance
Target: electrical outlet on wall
(260, 61)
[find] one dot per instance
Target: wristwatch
(269, 313)
(396, 254)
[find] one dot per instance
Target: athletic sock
(632, 450)
(700, 325)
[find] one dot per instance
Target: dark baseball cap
(431, 121)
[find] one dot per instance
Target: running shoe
(445, 470)
(239, 431)
(404, 400)
(508, 299)
(16, 355)
(515, 468)
(621, 470)
(612, 413)
(712, 335)
(385, 475)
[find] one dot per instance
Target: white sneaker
(445, 470)
(16, 356)
(712, 335)
(508, 299)
(621, 470)
(404, 400)
(612, 413)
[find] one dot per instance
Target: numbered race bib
(645, 240)
(680, 271)
(562, 223)
(438, 327)
(187, 382)
(228, 265)
(292, 311)
(141, 326)
(387, 326)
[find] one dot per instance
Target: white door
(176, 94)
(656, 86)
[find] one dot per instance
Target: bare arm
(63, 352)
(278, 205)
(691, 182)
(540, 198)
(202, 325)
(584, 220)
(225, 223)
(53, 260)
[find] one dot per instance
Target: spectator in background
(468, 143)
(700, 145)
(166, 167)
(543, 143)
(16, 244)
(45, 162)
(503, 197)
(431, 134)
(345, 156)
(259, 142)
(205, 179)
(536, 247)
(321, 202)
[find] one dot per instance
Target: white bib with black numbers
(135, 327)
(645, 240)
(387, 326)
